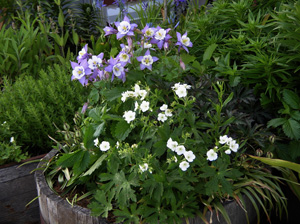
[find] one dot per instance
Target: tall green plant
(33, 107)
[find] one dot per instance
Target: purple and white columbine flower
(148, 32)
(124, 58)
(80, 72)
(161, 38)
(95, 62)
(183, 41)
(146, 60)
(116, 68)
(109, 30)
(125, 28)
(83, 54)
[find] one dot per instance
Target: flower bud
(78, 133)
(272, 139)
(66, 127)
(243, 157)
(68, 136)
(259, 152)
(270, 155)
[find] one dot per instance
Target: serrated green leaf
(96, 114)
(99, 129)
(122, 130)
(114, 93)
(276, 122)
(94, 96)
(292, 129)
(88, 139)
(68, 160)
(187, 58)
(291, 98)
(96, 165)
(295, 115)
(82, 163)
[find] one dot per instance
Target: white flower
(124, 27)
(229, 140)
(142, 94)
(137, 89)
(136, 106)
(129, 116)
(184, 165)
(78, 72)
(144, 167)
(223, 139)
(185, 40)
(176, 86)
(125, 95)
(172, 144)
(146, 45)
(234, 146)
(12, 139)
(168, 113)
(117, 144)
(164, 107)
(189, 156)
(180, 150)
(211, 155)
(181, 91)
(126, 49)
(228, 151)
(147, 60)
(94, 62)
(96, 142)
(162, 117)
(104, 146)
(144, 106)
(161, 34)
(187, 86)
(134, 146)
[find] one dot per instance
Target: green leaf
(114, 93)
(276, 122)
(278, 162)
(88, 139)
(61, 18)
(122, 130)
(99, 129)
(82, 163)
(186, 58)
(113, 51)
(96, 165)
(209, 51)
(292, 129)
(68, 160)
(75, 37)
(94, 96)
(96, 114)
(291, 98)
(229, 98)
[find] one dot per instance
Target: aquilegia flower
(148, 32)
(146, 60)
(96, 61)
(117, 69)
(161, 38)
(124, 58)
(80, 71)
(211, 155)
(183, 41)
(83, 54)
(125, 28)
(109, 30)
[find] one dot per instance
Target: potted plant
(152, 144)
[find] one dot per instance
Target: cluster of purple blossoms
(94, 67)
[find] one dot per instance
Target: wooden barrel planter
(56, 210)
(18, 188)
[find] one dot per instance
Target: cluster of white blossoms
(163, 116)
(139, 94)
(231, 144)
(180, 150)
(181, 89)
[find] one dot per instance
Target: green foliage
(32, 107)
(9, 150)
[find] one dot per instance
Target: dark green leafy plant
(33, 106)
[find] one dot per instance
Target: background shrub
(32, 106)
